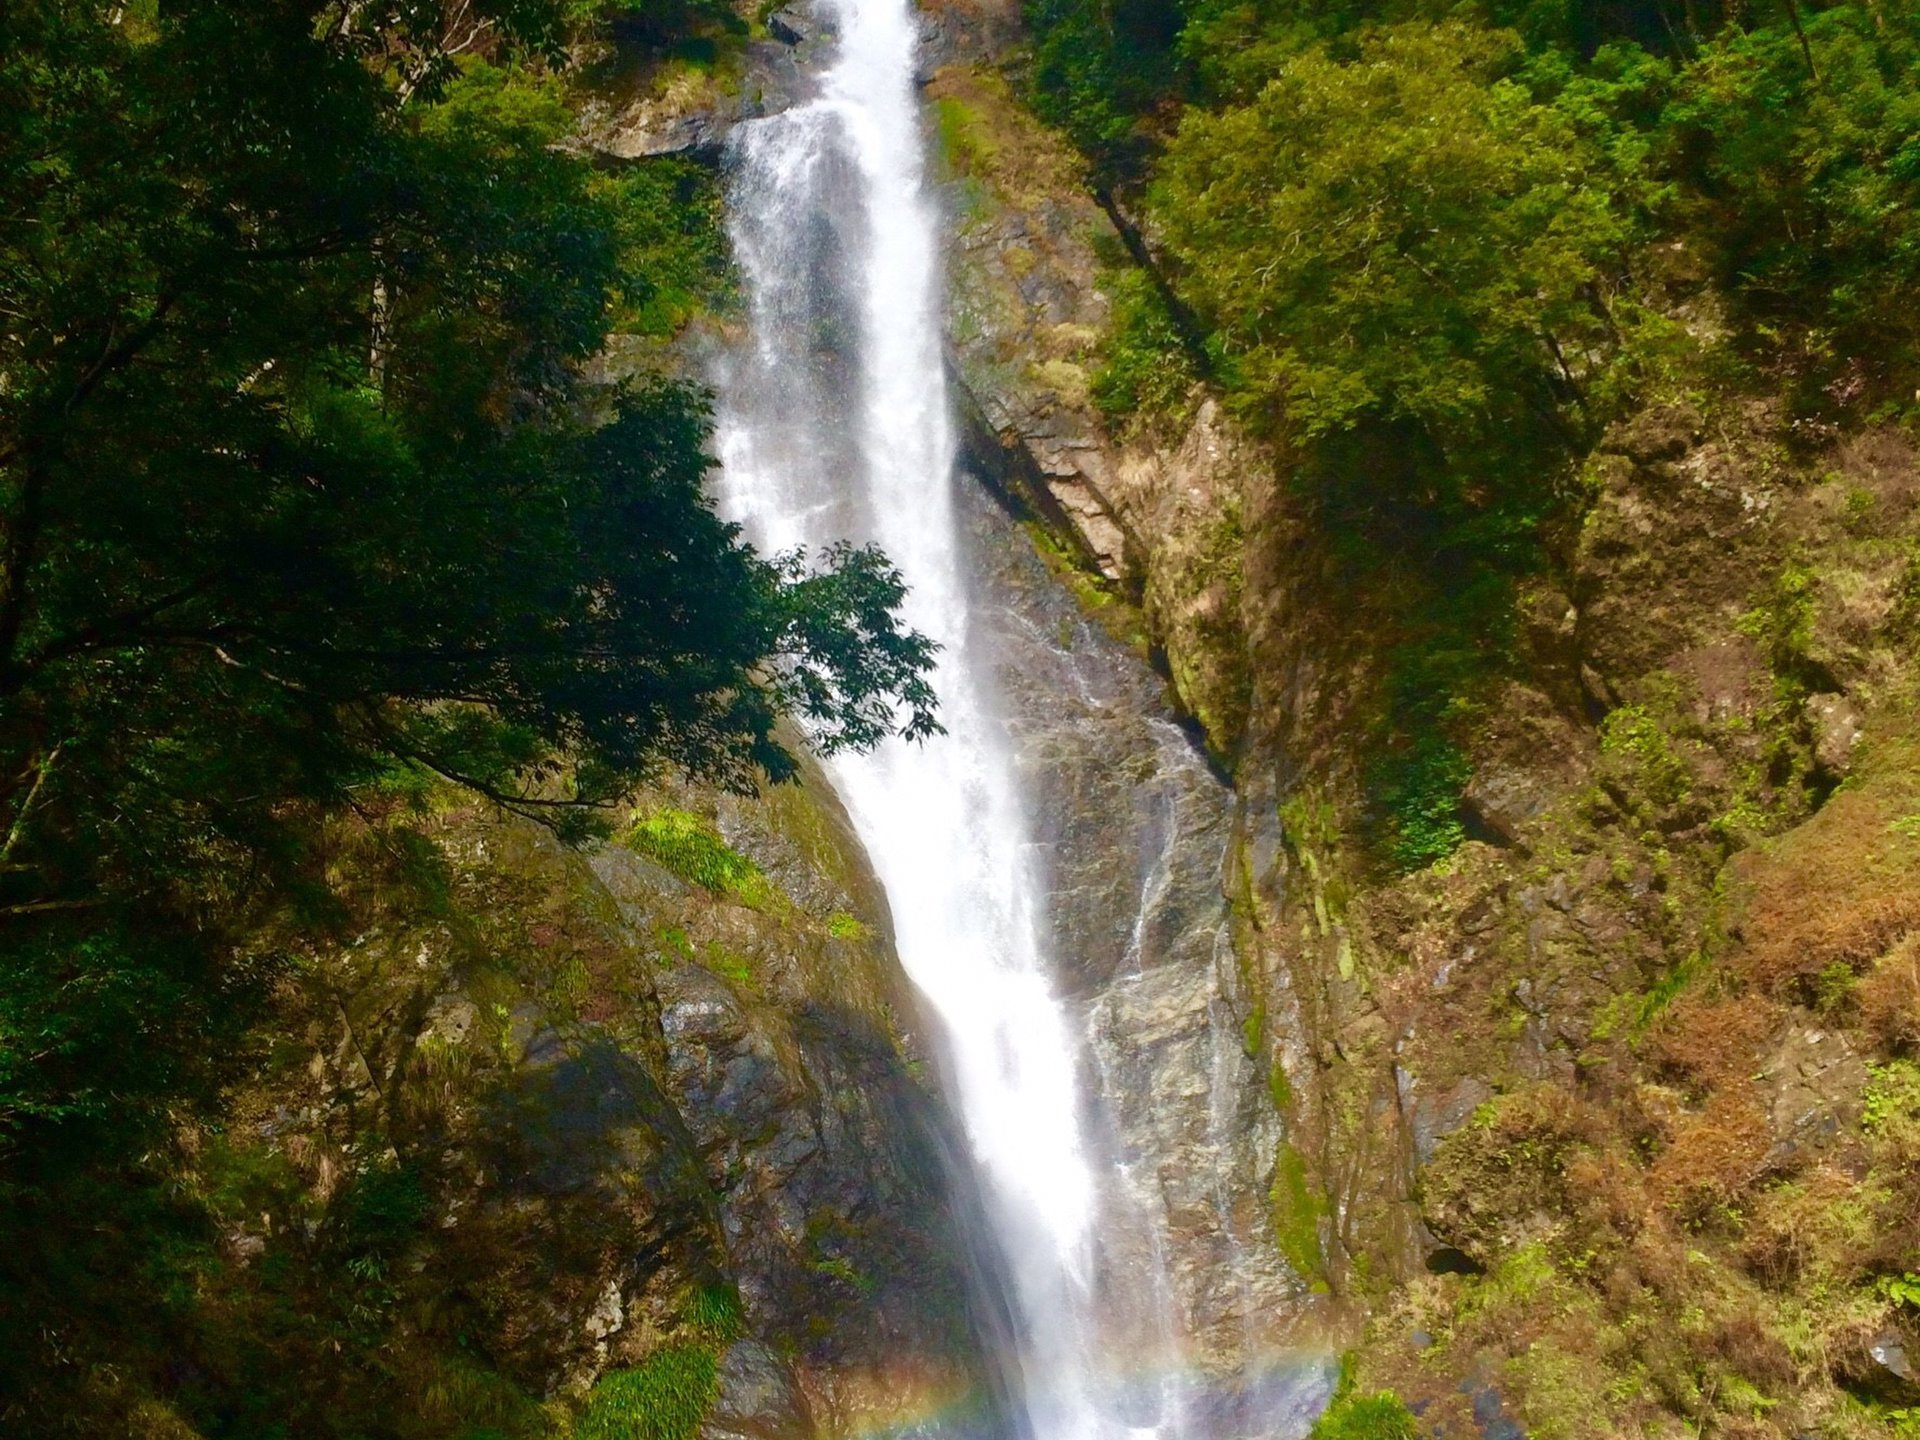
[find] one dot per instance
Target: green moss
(1280, 1089)
(964, 140)
(665, 1398)
(1519, 1278)
(1253, 1029)
(675, 261)
(1297, 1209)
(731, 965)
(1782, 624)
(1098, 597)
(1379, 1415)
(1640, 745)
(683, 843)
(843, 926)
(1312, 833)
(840, 1268)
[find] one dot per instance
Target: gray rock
(1659, 433)
(1431, 1118)
(1813, 1082)
(791, 26)
(1837, 723)
(1890, 1353)
(1134, 828)
(758, 1399)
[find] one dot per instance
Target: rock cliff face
(1541, 1118)
(1136, 830)
(663, 1094)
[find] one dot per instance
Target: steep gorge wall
(1541, 1115)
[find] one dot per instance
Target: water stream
(834, 423)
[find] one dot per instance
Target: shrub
(1406, 238)
(1807, 148)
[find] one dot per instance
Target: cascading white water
(834, 423)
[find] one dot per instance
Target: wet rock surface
(1135, 827)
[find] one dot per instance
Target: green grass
(714, 1311)
(664, 1398)
(685, 844)
(843, 926)
(1353, 1416)
(1379, 1416)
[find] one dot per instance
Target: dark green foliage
(1096, 68)
(1803, 147)
(1417, 785)
(299, 485)
(1146, 376)
(305, 497)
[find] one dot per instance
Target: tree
(1406, 242)
(302, 488)
(1802, 143)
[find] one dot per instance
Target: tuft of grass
(714, 1312)
(843, 926)
(680, 841)
(664, 1398)
(1379, 1415)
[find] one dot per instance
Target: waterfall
(833, 422)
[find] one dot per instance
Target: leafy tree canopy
(303, 490)
(1405, 238)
